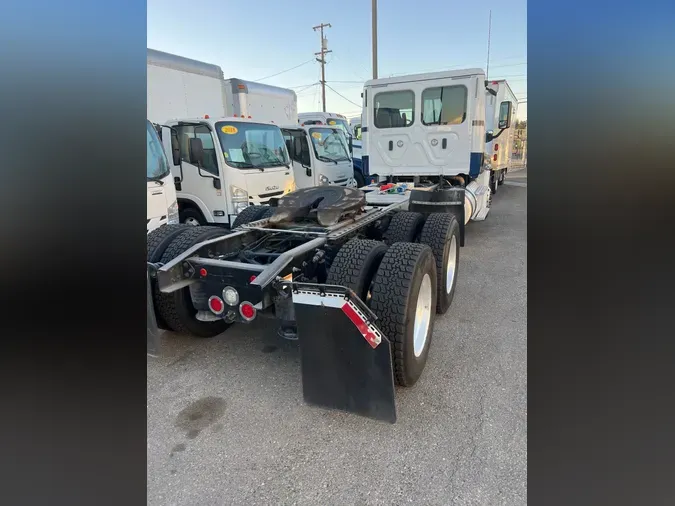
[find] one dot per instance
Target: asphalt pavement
(227, 424)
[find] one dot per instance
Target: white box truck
(320, 155)
(499, 151)
(233, 153)
(162, 207)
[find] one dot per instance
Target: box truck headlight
(172, 215)
(323, 180)
(239, 199)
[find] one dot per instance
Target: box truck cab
(161, 198)
(320, 155)
(226, 131)
(338, 120)
(227, 165)
(498, 152)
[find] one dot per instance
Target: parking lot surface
(227, 423)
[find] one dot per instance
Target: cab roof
(446, 74)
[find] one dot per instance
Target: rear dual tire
(441, 234)
(175, 311)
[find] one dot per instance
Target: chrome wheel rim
(422, 316)
(452, 265)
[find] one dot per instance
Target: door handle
(444, 143)
(391, 145)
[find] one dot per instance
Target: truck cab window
(157, 166)
(394, 109)
(187, 132)
(444, 105)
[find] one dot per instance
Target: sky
(256, 39)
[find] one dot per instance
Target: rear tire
(441, 234)
(355, 266)
(251, 213)
(404, 226)
(160, 238)
(493, 182)
(176, 308)
(406, 277)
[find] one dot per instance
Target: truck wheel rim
(452, 265)
(192, 222)
(422, 316)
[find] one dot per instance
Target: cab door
(303, 172)
(202, 186)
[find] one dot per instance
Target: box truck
(499, 151)
(226, 130)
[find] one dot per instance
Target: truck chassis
(361, 283)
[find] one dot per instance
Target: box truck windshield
(252, 145)
(329, 144)
(158, 167)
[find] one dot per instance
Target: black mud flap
(345, 358)
(153, 330)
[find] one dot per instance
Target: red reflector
(495, 82)
(206, 116)
(247, 310)
(235, 115)
(494, 158)
(202, 272)
(249, 117)
(241, 86)
(216, 304)
(496, 147)
(252, 279)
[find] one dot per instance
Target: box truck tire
(404, 298)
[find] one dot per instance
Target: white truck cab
(431, 127)
(325, 118)
(320, 155)
(161, 199)
(227, 165)
(241, 157)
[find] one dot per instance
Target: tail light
(494, 158)
(496, 147)
(216, 305)
(247, 311)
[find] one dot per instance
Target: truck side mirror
(505, 110)
(175, 150)
(351, 145)
(196, 152)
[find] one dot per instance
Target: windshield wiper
(326, 159)
(158, 179)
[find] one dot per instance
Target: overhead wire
(284, 71)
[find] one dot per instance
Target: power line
(287, 70)
(357, 105)
(306, 88)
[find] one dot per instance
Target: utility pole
(487, 70)
(324, 51)
(374, 29)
